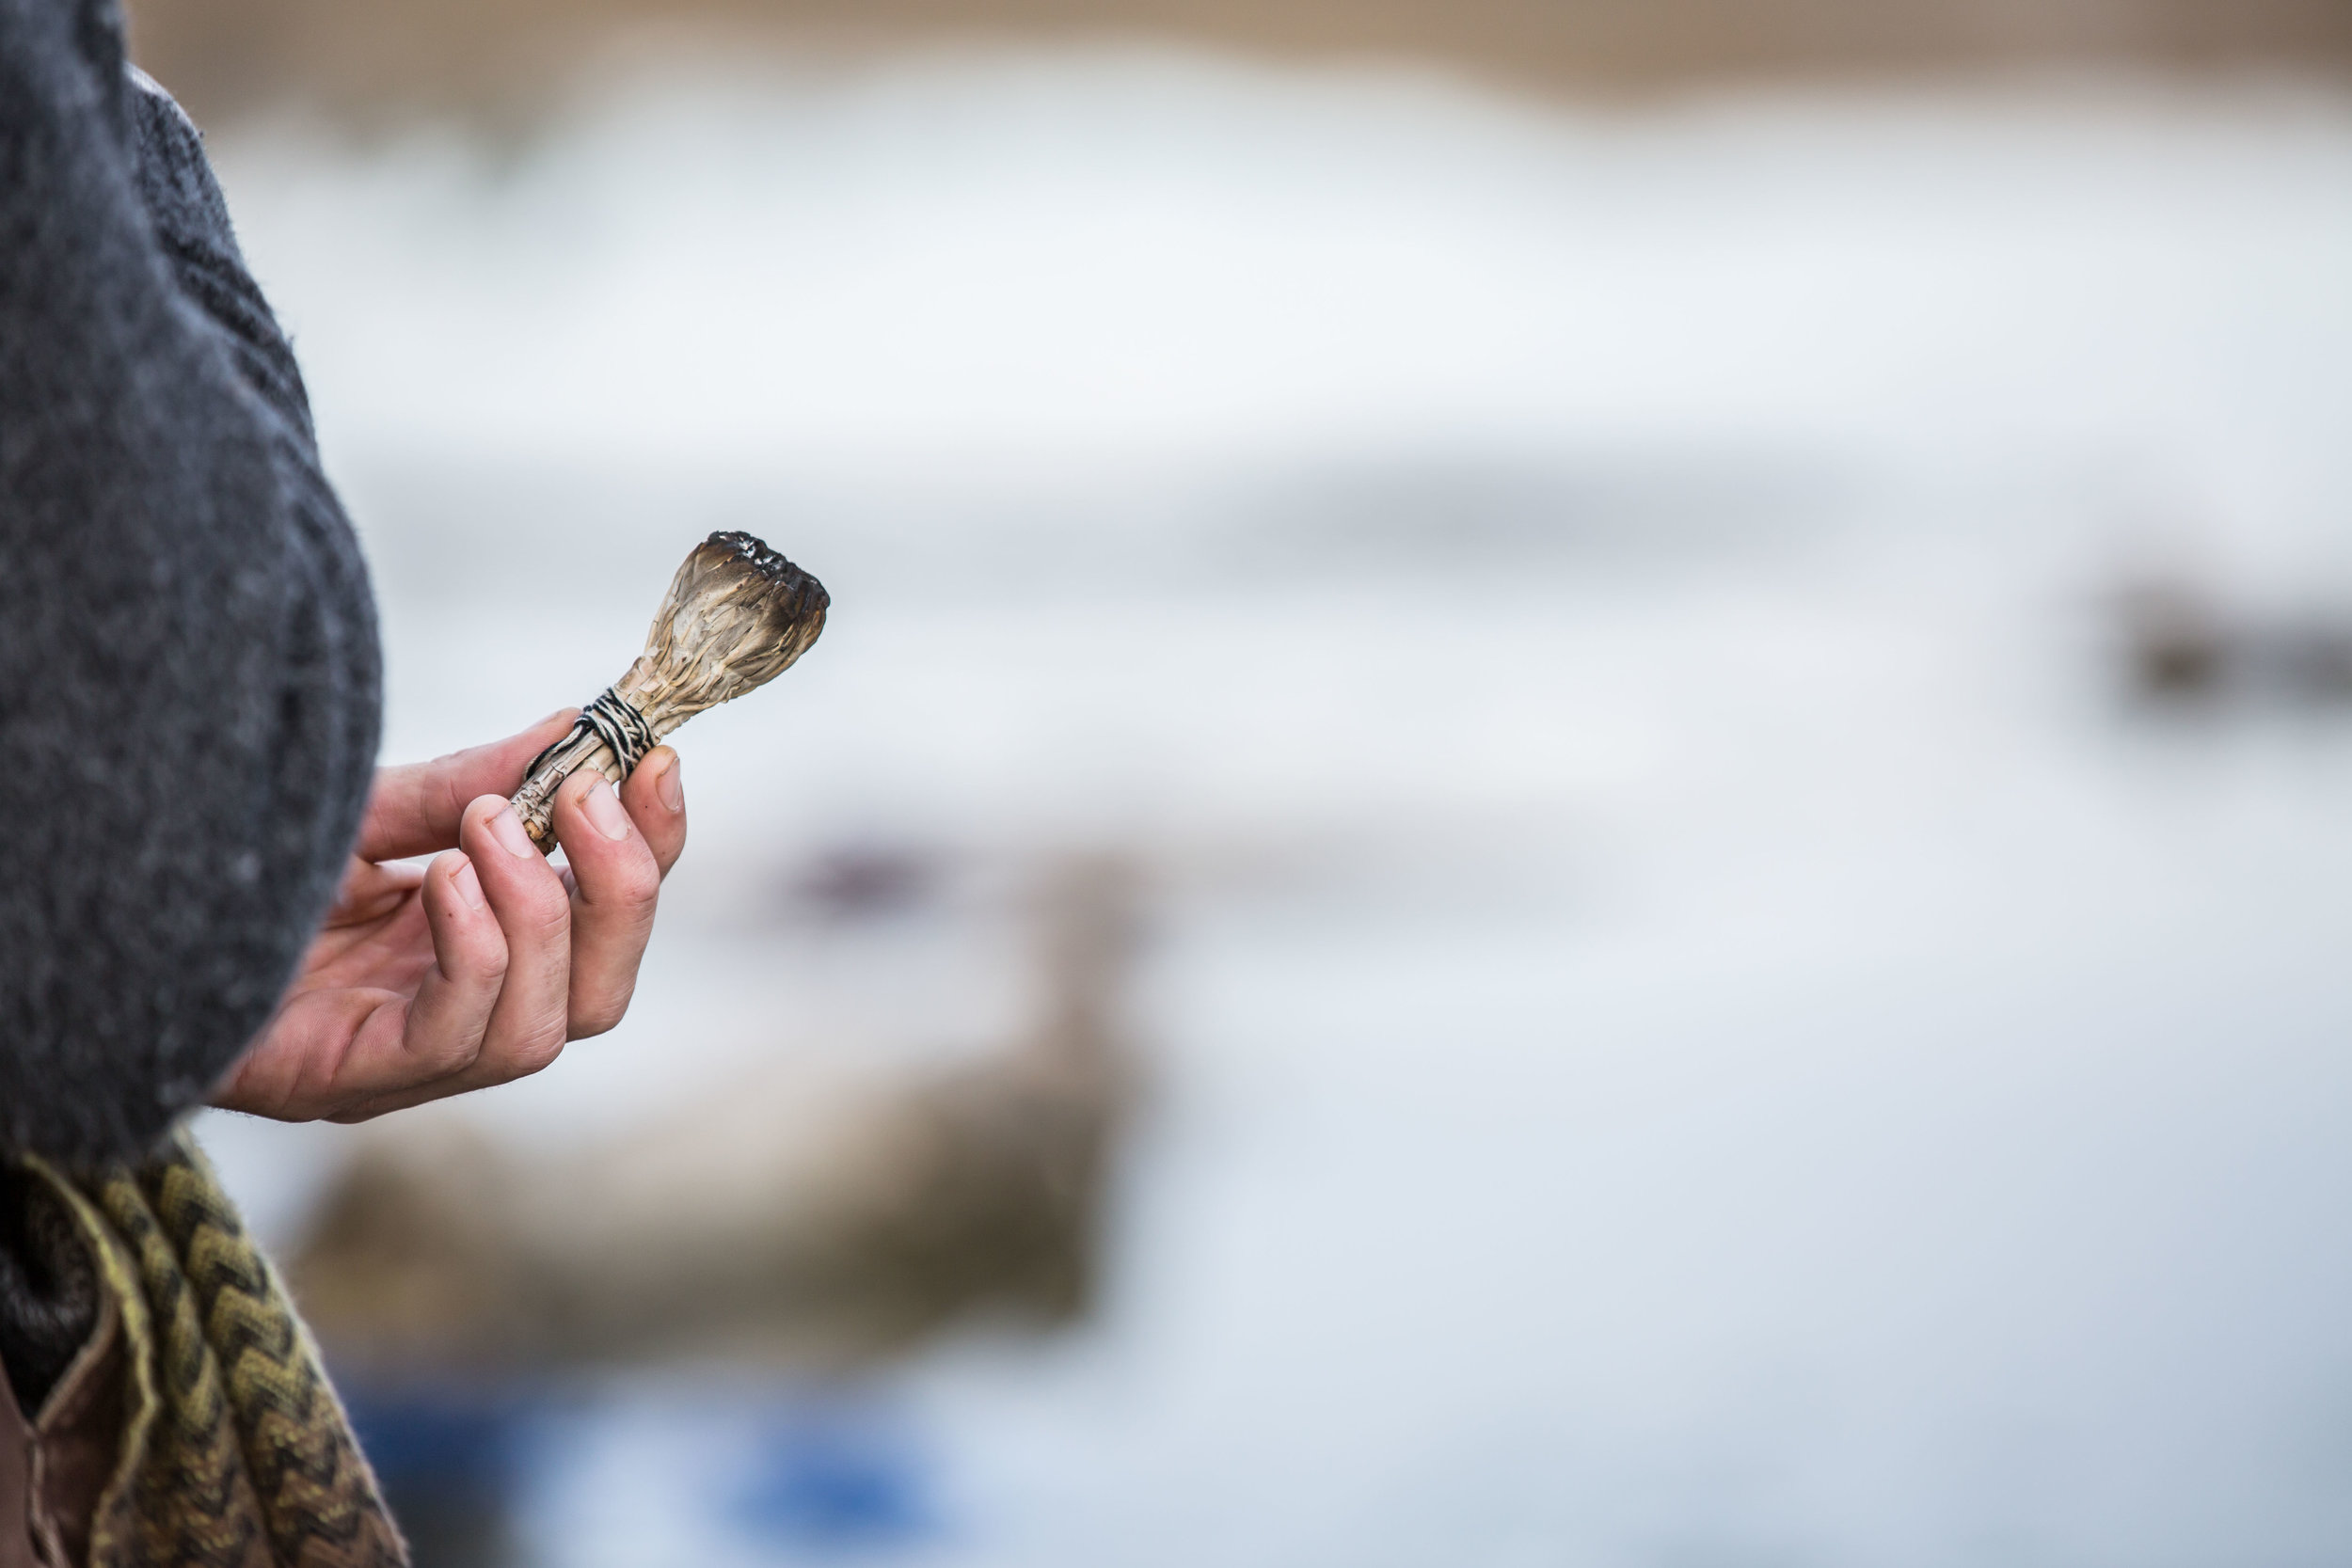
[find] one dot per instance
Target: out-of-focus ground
(1741, 859)
(490, 57)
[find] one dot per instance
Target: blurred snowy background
(1714, 992)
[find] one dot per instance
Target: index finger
(415, 808)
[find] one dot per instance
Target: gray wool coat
(188, 662)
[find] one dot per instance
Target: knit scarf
(235, 1452)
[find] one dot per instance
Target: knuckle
(489, 966)
(599, 1015)
(476, 971)
(477, 954)
(533, 1054)
(639, 884)
(439, 1046)
(455, 1053)
(446, 1061)
(547, 913)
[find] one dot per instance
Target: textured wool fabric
(188, 662)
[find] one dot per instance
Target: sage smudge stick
(736, 617)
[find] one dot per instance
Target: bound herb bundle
(736, 617)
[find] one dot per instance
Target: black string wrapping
(614, 720)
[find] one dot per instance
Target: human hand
(425, 982)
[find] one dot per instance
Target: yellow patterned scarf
(235, 1453)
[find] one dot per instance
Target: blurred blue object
(447, 1460)
(834, 1474)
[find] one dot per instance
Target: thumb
(415, 808)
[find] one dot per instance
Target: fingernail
(672, 793)
(468, 886)
(509, 830)
(604, 808)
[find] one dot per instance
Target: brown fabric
(77, 1441)
(16, 1482)
(53, 1468)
